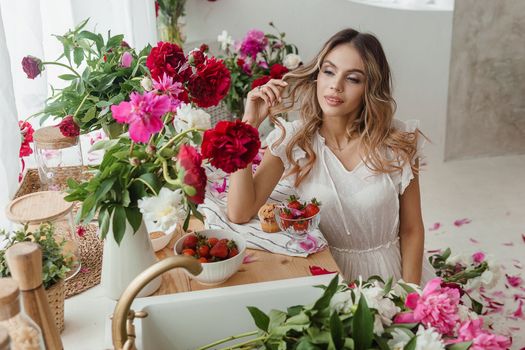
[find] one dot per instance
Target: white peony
(400, 338)
(146, 83)
(164, 210)
(188, 117)
(341, 302)
(225, 40)
(428, 339)
(491, 276)
(463, 259)
(465, 314)
(292, 61)
(378, 326)
(399, 291)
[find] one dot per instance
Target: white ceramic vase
(122, 263)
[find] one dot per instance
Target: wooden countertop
(267, 267)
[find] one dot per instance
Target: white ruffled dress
(360, 209)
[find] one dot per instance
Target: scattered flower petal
(318, 270)
(249, 258)
(478, 257)
(514, 281)
(435, 227)
(81, 231)
(508, 244)
(461, 222)
(519, 311)
(473, 240)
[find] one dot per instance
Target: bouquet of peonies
(253, 61)
(156, 171)
(372, 314)
(114, 72)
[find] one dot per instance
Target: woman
(347, 151)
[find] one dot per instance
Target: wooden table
(267, 267)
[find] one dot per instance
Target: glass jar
(23, 331)
(42, 207)
(4, 339)
(58, 157)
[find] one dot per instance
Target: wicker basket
(218, 113)
(56, 295)
(31, 182)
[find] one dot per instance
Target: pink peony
(253, 43)
(126, 60)
(172, 89)
(437, 307)
(143, 114)
(482, 339)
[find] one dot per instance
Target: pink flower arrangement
(254, 42)
(482, 339)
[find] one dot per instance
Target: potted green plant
(55, 263)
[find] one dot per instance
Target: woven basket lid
(38, 207)
(50, 137)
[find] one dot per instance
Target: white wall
(417, 44)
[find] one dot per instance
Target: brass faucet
(122, 328)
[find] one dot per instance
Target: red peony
(168, 58)
(231, 145)
(68, 127)
(204, 48)
(277, 71)
(194, 173)
(198, 58)
(261, 81)
(210, 83)
(32, 66)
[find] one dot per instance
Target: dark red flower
(32, 66)
(81, 231)
(277, 71)
(204, 48)
(198, 58)
(210, 83)
(318, 270)
(68, 127)
(231, 145)
(168, 58)
(261, 81)
(26, 131)
(157, 9)
(194, 173)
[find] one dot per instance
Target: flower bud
(134, 161)
(151, 149)
(32, 66)
(146, 83)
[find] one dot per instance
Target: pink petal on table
(433, 251)
(249, 258)
(478, 257)
(518, 296)
(461, 222)
(473, 240)
(514, 281)
(435, 227)
(499, 294)
(84, 270)
(220, 188)
(519, 311)
(523, 237)
(508, 244)
(318, 270)
(518, 266)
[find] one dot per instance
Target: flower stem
(80, 105)
(166, 174)
(248, 342)
(230, 338)
(177, 137)
(65, 66)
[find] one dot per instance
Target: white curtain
(26, 28)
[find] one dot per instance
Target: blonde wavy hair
(373, 126)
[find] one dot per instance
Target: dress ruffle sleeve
(279, 150)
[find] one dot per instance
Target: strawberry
(233, 250)
(294, 203)
(188, 252)
(312, 208)
(190, 242)
(212, 241)
(219, 250)
(285, 214)
(301, 226)
(203, 259)
(203, 250)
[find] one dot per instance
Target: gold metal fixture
(122, 328)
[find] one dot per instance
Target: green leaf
(407, 288)
(262, 321)
(103, 222)
(336, 330)
(151, 181)
(104, 144)
(294, 310)
(460, 346)
(134, 217)
(90, 114)
(383, 345)
(363, 326)
(115, 40)
(78, 55)
(299, 319)
(411, 345)
(97, 39)
(67, 76)
(324, 301)
(388, 286)
(119, 223)
(87, 205)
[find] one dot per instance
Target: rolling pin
(25, 263)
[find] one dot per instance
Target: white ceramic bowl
(162, 241)
(219, 271)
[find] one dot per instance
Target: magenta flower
(32, 66)
(437, 307)
(478, 257)
(170, 88)
(482, 339)
(143, 114)
(126, 60)
(253, 43)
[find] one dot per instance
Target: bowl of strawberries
(220, 252)
(299, 219)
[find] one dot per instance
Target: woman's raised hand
(260, 99)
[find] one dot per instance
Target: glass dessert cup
(299, 230)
